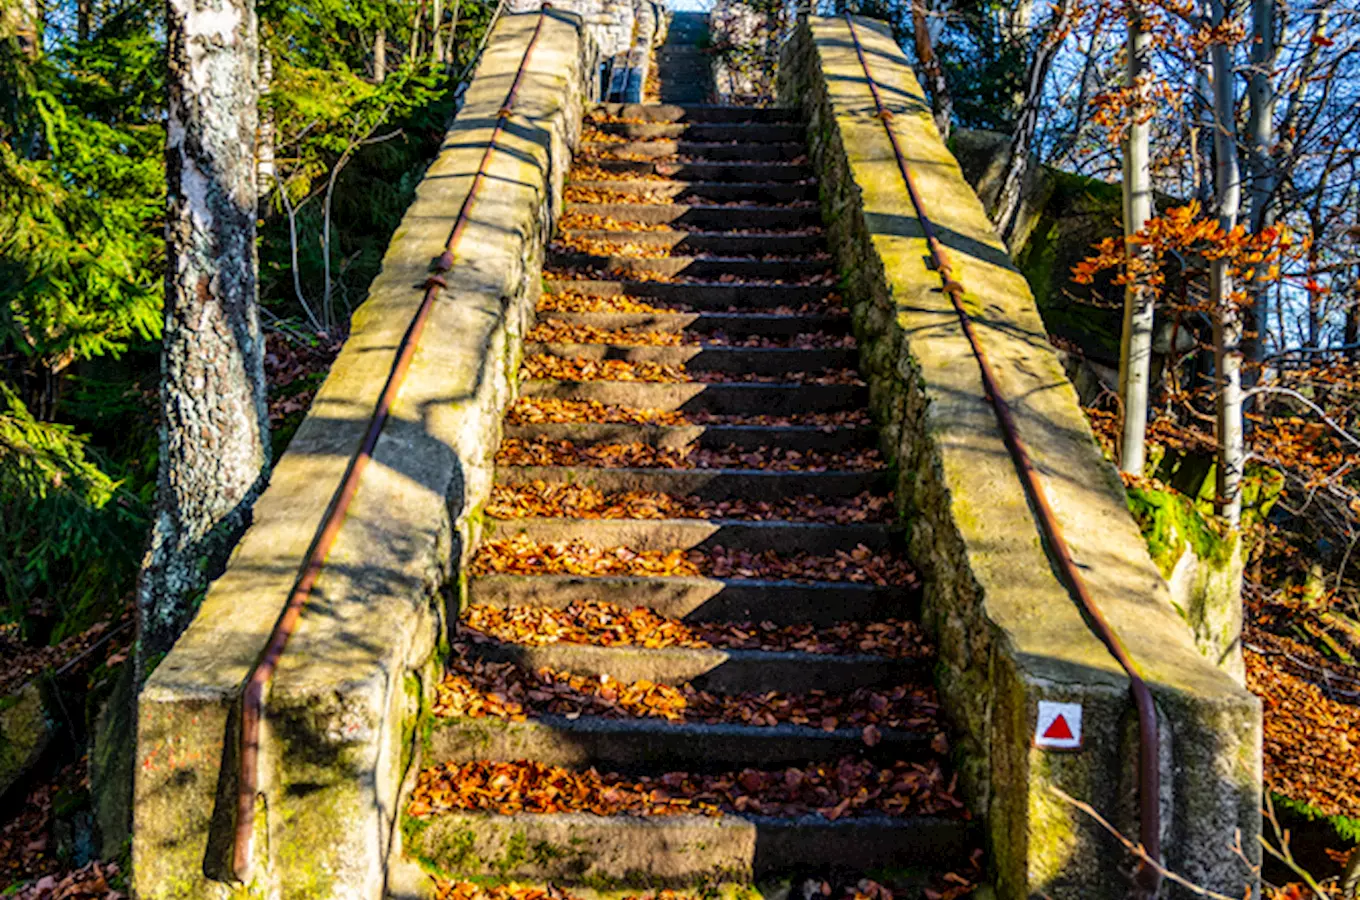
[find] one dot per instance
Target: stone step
(744, 171)
(772, 325)
(770, 193)
(700, 358)
(703, 216)
(714, 437)
(705, 150)
(703, 268)
(707, 599)
(722, 399)
(756, 133)
(677, 850)
(671, 112)
(711, 669)
(653, 745)
(717, 296)
(818, 538)
(707, 484)
(714, 243)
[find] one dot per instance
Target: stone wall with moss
(339, 728)
(1008, 631)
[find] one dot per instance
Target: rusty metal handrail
(1149, 769)
(253, 699)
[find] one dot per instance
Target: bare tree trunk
(22, 21)
(1228, 325)
(214, 431)
(451, 48)
(436, 20)
(1261, 168)
(380, 55)
(1019, 157)
(1135, 348)
(264, 149)
(941, 101)
(84, 17)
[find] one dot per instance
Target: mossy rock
(25, 732)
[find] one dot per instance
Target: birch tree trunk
(941, 102)
(264, 151)
(436, 20)
(380, 55)
(1228, 325)
(1135, 347)
(22, 21)
(1019, 156)
(1261, 167)
(214, 430)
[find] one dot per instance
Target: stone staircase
(687, 74)
(688, 650)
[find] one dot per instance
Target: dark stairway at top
(689, 609)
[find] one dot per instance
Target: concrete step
(699, 358)
(818, 538)
(713, 437)
(707, 269)
(722, 399)
(707, 131)
(676, 850)
(710, 669)
(707, 484)
(708, 171)
(705, 217)
(737, 325)
(770, 193)
(707, 599)
(671, 112)
(705, 150)
(717, 296)
(653, 745)
(713, 243)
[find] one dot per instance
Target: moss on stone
(1171, 524)
(1346, 828)
(1079, 212)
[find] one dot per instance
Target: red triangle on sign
(1058, 730)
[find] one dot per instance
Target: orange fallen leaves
(539, 411)
(599, 623)
(846, 788)
(522, 556)
(1311, 741)
(571, 500)
(475, 689)
(637, 455)
(579, 368)
(571, 302)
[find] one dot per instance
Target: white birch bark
(1135, 348)
(1260, 142)
(1228, 328)
(214, 431)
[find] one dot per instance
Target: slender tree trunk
(1019, 157)
(1350, 335)
(1228, 320)
(214, 431)
(380, 55)
(22, 21)
(941, 101)
(1261, 167)
(84, 16)
(451, 48)
(1135, 349)
(264, 150)
(436, 20)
